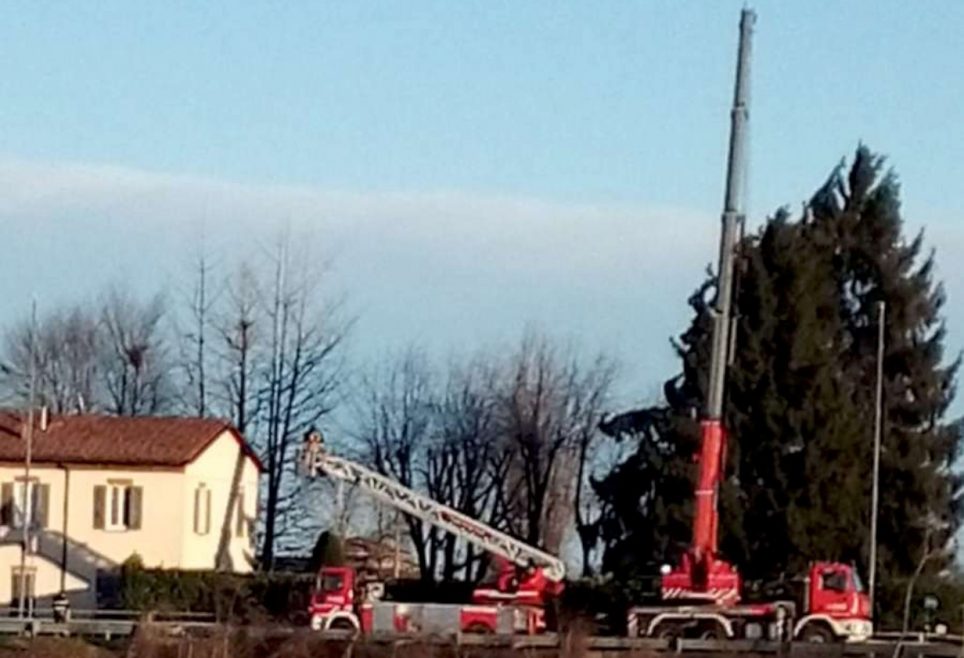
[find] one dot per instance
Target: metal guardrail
(100, 623)
(124, 615)
(110, 625)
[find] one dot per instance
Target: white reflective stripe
(479, 608)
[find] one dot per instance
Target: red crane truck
(515, 603)
(833, 605)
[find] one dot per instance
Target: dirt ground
(239, 644)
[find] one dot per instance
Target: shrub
(229, 597)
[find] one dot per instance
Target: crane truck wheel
(712, 631)
(479, 628)
(667, 631)
(817, 633)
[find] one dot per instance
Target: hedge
(236, 598)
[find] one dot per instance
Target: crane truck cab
(836, 607)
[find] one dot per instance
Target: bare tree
(298, 372)
(135, 367)
(195, 353)
(68, 351)
(237, 327)
(588, 400)
(465, 463)
(396, 426)
(112, 358)
(935, 545)
(510, 444)
(549, 407)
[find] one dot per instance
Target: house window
(27, 580)
(240, 520)
(118, 506)
(22, 501)
(202, 509)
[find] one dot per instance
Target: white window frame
(202, 509)
(20, 493)
(30, 600)
(116, 499)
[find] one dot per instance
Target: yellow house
(179, 492)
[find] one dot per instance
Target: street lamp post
(878, 421)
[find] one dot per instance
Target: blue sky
(471, 167)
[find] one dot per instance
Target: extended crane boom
(316, 460)
(702, 574)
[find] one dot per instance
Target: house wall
(157, 541)
(47, 574)
(166, 537)
(222, 469)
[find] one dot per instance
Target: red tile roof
(113, 440)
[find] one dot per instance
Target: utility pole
(26, 499)
(878, 422)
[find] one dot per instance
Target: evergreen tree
(800, 400)
(873, 262)
(329, 551)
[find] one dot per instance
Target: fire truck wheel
(342, 624)
(479, 627)
(817, 634)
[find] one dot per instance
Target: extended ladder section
(315, 460)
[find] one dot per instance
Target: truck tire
(712, 631)
(344, 624)
(667, 630)
(479, 628)
(817, 633)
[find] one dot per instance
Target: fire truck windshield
(329, 582)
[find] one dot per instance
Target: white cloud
(165, 202)
(449, 269)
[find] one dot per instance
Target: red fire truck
(515, 603)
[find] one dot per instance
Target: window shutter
(197, 510)
(207, 511)
(41, 504)
(135, 510)
(6, 504)
(239, 520)
(100, 503)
